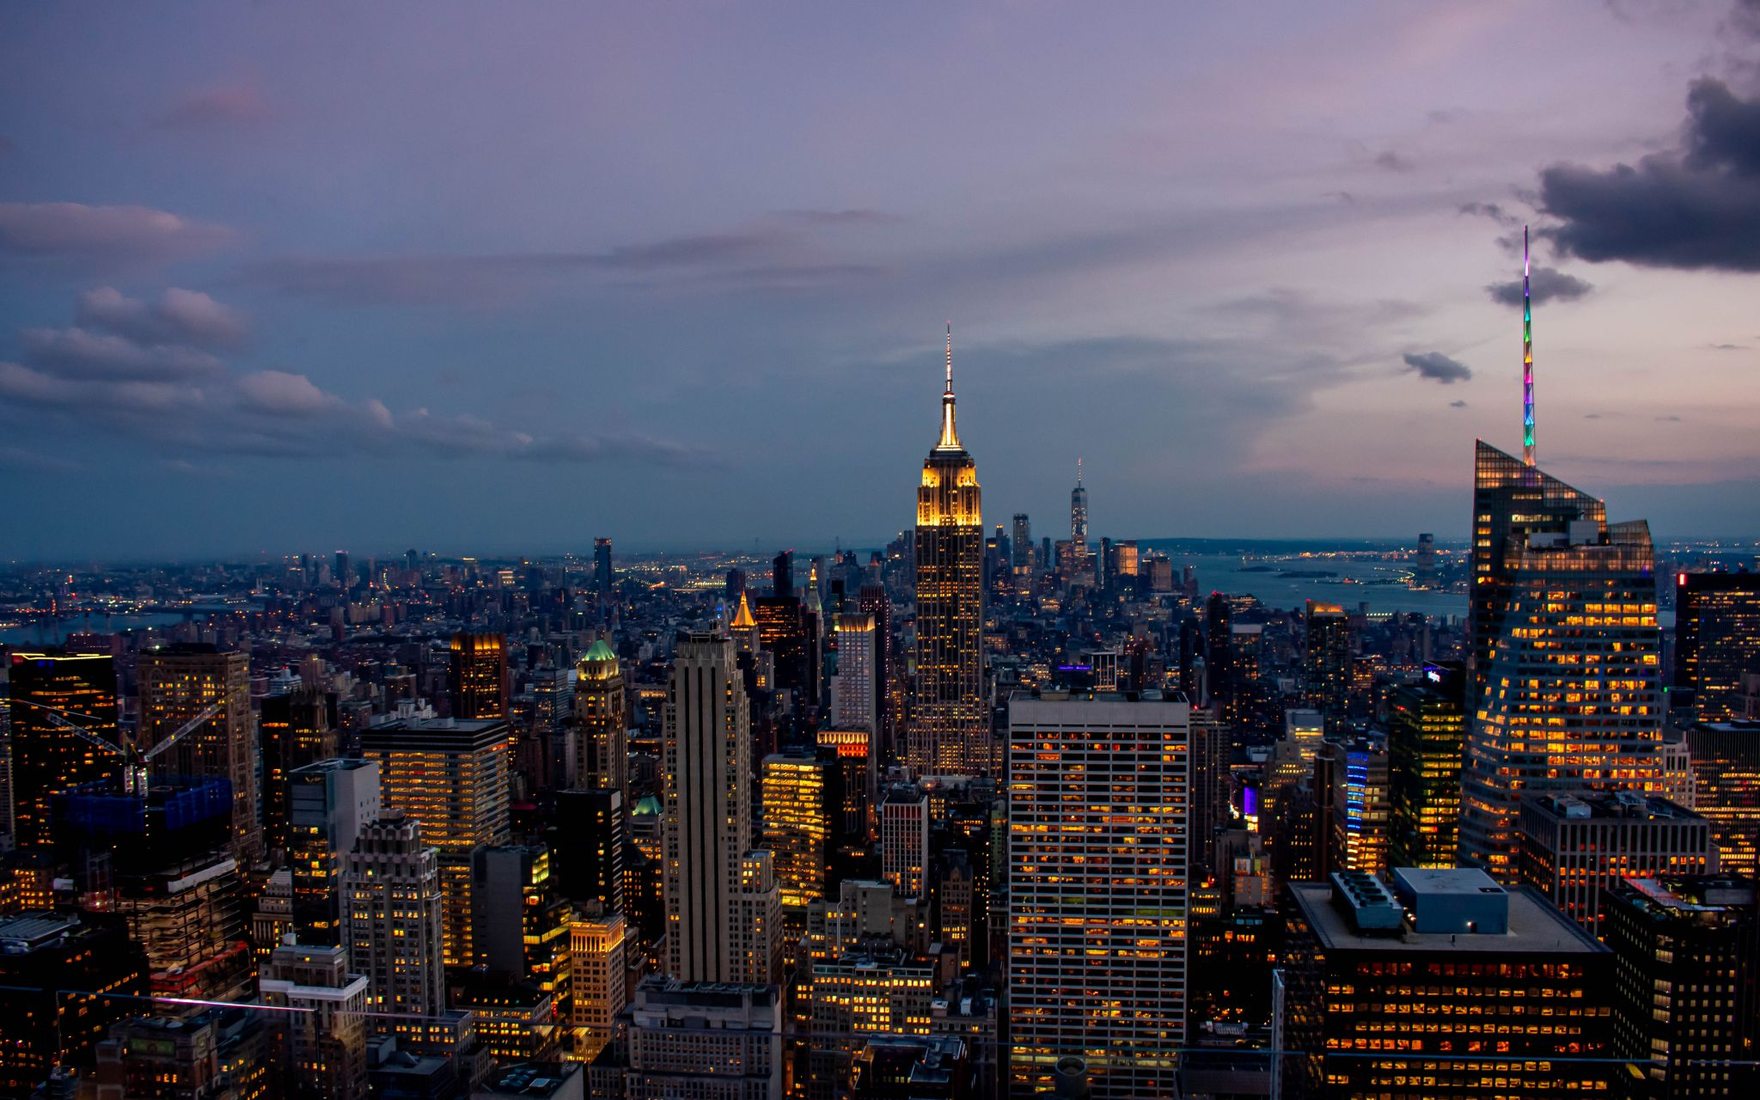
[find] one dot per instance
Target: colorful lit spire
(1527, 359)
(949, 437)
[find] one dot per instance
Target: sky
(501, 278)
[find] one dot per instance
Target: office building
(451, 775)
(1575, 847)
(1567, 652)
(723, 908)
(1078, 527)
(950, 723)
(294, 728)
(1716, 640)
(522, 922)
(185, 682)
(1211, 749)
(878, 989)
(599, 948)
(1326, 662)
(1022, 545)
(587, 849)
(328, 804)
(392, 919)
(1726, 790)
(49, 689)
(854, 700)
(705, 1040)
(1446, 986)
(1426, 732)
(190, 917)
(800, 800)
(1359, 804)
(68, 978)
(222, 1053)
(904, 839)
(1098, 805)
(604, 579)
(1687, 967)
(479, 677)
(321, 1034)
(601, 715)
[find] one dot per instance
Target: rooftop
(539, 1079)
(1535, 928)
(1607, 805)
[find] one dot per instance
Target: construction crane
(134, 761)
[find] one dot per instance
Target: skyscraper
(854, 702)
(49, 689)
(1717, 638)
(801, 799)
(1022, 545)
(1078, 524)
(950, 727)
(1326, 661)
(391, 918)
(453, 777)
(601, 714)
(1426, 732)
(294, 728)
(603, 577)
(328, 803)
(480, 681)
(180, 683)
(1098, 804)
(723, 909)
(320, 1032)
(1566, 650)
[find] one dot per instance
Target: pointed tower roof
(949, 435)
(742, 619)
(599, 662)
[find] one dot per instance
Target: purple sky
(505, 277)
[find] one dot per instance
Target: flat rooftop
(1535, 928)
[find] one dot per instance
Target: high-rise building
(522, 922)
(189, 916)
(321, 1030)
(1425, 737)
(1726, 790)
(1717, 639)
(1210, 790)
(1219, 670)
(873, 600)
(878, 989)
(452, 776)
(1687, 964)
(904, 839)
(604, 580)
(480, 680)
(599, 949)
(328, 803)
(707, 1041)
(782, 574)
(1098, 810)
(601, 714)
(392, 919)
(1575, 847)
(294, 728)
(1447, 986)
(801, 797)
(587, 847)
(1078, 525)
(950, 724)
(1023, 545)
(181, 683)
(1566, 649)
(723, 909)
(1326, 661)
(854, 701)
(1360, 806)
(49, 689)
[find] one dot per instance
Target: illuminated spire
(1527, 359)
(949, 437)
(1078, 471)
(742, 619)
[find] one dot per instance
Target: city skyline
(294, 290)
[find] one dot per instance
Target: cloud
(81, 353)
(216, 109)
(1491, 210)
(778, 251)
(178, 317)
(1457, 404)
(278, 392)
(1697, 207)
(1393, 162)
(102, 235)
(1727, 347)
(1437, 367)
(1548, 284)
(34, 462)
(1669, 419)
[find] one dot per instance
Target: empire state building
(950, 725)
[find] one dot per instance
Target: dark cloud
(777, 252)
(178, 317)
(1548, 284)
(1727, 347)
(1393, 162)
(1669, 419)
(1457, 404)
(216, 109)
(1696, 208)
(1591, 416)
(81, 353)
(1491, 210)
(102, 235)
(1437, 367)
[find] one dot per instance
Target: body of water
(1352, 582)
(48, 632)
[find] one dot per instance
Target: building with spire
(950, 725)
(601, 713)
(1564, 649)
(1078, 525)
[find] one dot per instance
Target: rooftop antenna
(1527, 359)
